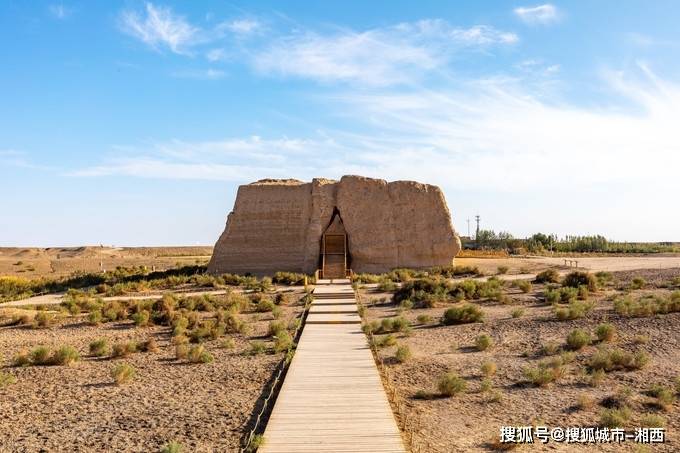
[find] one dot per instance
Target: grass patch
(578, 339)
(450, 384)
(617, 359)
(99, 348)
(466, 313)
(123, 373)
(483, 342)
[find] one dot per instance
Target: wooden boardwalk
(332, 399)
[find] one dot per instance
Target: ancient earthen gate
(357, 223)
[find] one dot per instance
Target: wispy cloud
(380, 56)
(59, 11)
(541, 14)
(160, 27)
(205, 74)
(242, 27)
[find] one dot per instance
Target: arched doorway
(334, 256)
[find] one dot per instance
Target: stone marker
(357, 223)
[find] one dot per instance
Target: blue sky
(133, 123)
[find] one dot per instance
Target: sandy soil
(62, 261)
(206, 407)
(470, 421)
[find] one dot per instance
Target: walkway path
(332, 399)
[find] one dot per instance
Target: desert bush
(403, 354)
(578, 278)
(486, 385)
(65, 355)
(22, 359)
(664, 396)
(585, 401)
(40, 356)
(550, 348)
(172, 447)
(424, 319)
(386, 341)
(517, 313)
(617, 359)
(483, 342)
(637, 283)
(371, 327)
(123, 373)
(6, 379)
(603, 278)
(282, 299)
(264, 305)
(578, 339)
(615, 417)
(523, 285)
(149, 345)
(179, 325)
(647, 305)
(395, 324)
(544, 373)
(99, 348)
(596, 377)
(124, 349)
(289, 278)
(198, 354)
(455, 271)
(547, 276)
(43, 320)
(228, 343)
(466, 313)
(141, 318)
(181, 351)
(605, 332)
(386, 285)
(574, 310)
(283, 341)
(503, 270)
(450, 384)
(641, 339)
(94, 318)
(275, 327)
(652, 421)
(257, 347)
(488, 368)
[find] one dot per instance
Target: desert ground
(210, 404)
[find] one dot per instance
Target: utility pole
(477, 232)
(468, 222)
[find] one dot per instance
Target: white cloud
(380, 56)
(59, 11)
(242, 27)
(216, 54)
(160, 27)
(206, 74)
(542, 14)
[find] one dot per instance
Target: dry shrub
(450, 384)
(488, 368)
(123, 373)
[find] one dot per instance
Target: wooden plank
(332, 399)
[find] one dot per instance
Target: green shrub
(198, 354)
(574, 310)
(547, 276)
(503, 269)
(605, 332)
(617, 359)
(386, 341)
(488, 368)
(172, 447)
(486, 385)
(585, 401)
(403, 354)
(483, 342)
(550, 348)
(523, 285)
(638, 283)
(257, 347)
(228, 343)
(603, 278)
(545, 372)
(123, 373)
(181, 351)
(386, 285)
(22, 359)
(99, 348)
(283, 341)
(275, 327)
(517, 313)
(578, 278)
(424, 319)
(289, 278)
(596, 377)
(665, 396)
(264, 305)
(450, 384)
(94, 318)
(466, 313)
(614, 417)
(65, 355)
(6, 379)
(43, 320)
(40, 356)
(652, 421)
(141, 319)
(647, 305)
(578, 339)
(124, 349)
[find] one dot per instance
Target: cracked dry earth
(205, 407)
(471, 421)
